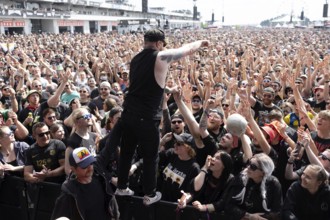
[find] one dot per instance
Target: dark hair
(38, 125)
(54, 127)
(47, 111)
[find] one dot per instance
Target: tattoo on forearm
(169, 58)
(203, 121)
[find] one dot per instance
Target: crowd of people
(233, 122)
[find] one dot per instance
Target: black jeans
(142, 133)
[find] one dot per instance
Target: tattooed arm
(166, 57)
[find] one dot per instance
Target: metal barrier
(23, 201)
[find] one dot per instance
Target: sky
(246, 11)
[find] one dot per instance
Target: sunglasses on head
(323, 157)
(253, 166)
(174, 122)
(86, 116)
(43, 134)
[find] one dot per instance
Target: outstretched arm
(166, 57)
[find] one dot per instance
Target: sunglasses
(253, 167)
(83, 91)
(85, 116)
(51, 117)
(196, 100)
(174, 122)
(120, 94)
(43, 134)
(225, 105)
(323, 157)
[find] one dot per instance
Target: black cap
(184, 137)
(155, 35)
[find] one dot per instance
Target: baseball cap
(81, 157)
(269, 90)
(105, 84)
(177, 116)
(155, 35)
(184, 137)
(318, 87)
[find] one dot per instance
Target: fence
(22, 201)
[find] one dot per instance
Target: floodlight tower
(195, 11)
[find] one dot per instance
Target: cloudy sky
(246, 11)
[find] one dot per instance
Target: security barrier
(23, 201)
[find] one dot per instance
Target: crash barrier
(23, 201)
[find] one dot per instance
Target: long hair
(266, 164)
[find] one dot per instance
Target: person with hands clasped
(210, 185)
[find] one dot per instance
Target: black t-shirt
(317, 106)
(217, 137)
(262, 111)
(92, 201)
(210, 148)
(320, 143)
(177, 175)
(48, 156)
(76, 141)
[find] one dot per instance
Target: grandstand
(86, 16)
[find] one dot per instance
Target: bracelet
(204, 171)
(290, 162)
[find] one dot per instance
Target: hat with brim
(81, 157)
(269, 131)
(32, 92)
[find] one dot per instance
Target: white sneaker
(150, 200)
(124, 192)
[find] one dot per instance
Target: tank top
(144, 95)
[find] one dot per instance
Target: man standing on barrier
(87, 193)
(142, 109)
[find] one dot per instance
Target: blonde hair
(266, 164)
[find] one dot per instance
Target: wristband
(204, 171)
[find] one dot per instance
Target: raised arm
(166, 57)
